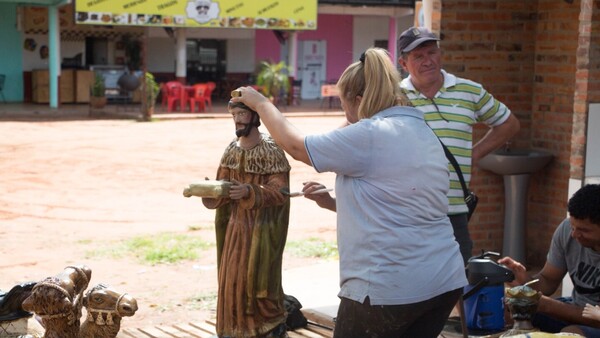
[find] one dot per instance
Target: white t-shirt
(395, 240)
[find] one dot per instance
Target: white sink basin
(515, 161)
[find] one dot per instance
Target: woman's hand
(324, 200)
(285, 134)
(239, 190)
(250, 97)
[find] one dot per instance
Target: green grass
(205, 301)
(156, 249)
(168, 248)
(201, 227)
(312, 247)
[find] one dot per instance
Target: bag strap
(452, 160)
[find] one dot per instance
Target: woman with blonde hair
(401, 272)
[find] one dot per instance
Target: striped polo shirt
(458, 105)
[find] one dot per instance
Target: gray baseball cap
(413, 37)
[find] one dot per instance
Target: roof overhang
(370, 10)
(360, 3)
(38, 2)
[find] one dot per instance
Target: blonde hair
(376, 79)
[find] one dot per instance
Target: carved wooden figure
(105, 308)
(522, 301)
(56, 301)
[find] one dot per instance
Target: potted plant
(274, 80)
(133, 55)
(98, 92)
(152, 89)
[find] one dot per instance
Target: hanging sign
(255, 14)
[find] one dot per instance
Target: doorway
(205, 60)
(96, 51)
(312, 57)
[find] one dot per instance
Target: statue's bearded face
(242, 119)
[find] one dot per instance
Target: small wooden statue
(105, 307)
(57, 301)
(522, 303)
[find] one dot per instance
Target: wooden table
(331, 93)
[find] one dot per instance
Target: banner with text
(255, 14)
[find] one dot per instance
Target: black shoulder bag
(470, 197)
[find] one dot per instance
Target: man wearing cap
(451, 106)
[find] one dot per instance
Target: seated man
(575, 249)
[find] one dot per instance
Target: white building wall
(240, 48)
(367, 29)
(160, 55)
(240, 55)
(32, 59)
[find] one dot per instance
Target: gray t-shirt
(582, 265)
(395, 240)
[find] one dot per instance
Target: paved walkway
(26, 111)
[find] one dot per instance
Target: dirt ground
(71, 186)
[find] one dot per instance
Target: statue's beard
(244, 131)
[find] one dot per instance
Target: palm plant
(273, 78)
(98, 92)
(152, 89)
(98, 88)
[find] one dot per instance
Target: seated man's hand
(521, 275)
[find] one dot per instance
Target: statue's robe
(251, 235)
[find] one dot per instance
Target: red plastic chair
(163, 94)
(210, 86)
(176, 93)
(198, 97)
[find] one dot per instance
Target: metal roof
(38, 2)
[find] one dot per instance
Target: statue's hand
(239, 190)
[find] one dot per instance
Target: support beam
(181, 61)
(293, 53)
(53, 54)
(428, 13)
(392, 38)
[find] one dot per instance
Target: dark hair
(255, 121)
(232, 105)
(585, 204)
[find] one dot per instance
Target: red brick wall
(593, 28)
(525, 54)
(557, 34)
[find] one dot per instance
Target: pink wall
(335, 29)
(266, 46)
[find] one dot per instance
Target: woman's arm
(285, 134)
